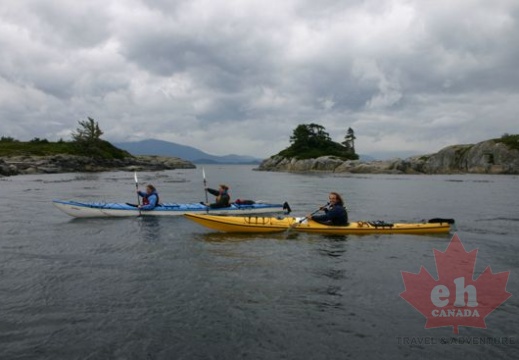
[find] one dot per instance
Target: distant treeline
(86, 142)
(310, 141)
(512, 141)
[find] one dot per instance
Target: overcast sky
(239, 76)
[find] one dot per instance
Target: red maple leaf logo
(455, 299)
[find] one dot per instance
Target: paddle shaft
(137, 189)
(205, 186)
(307, 217)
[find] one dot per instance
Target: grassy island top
(86, 142)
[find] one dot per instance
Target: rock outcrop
(16, 165)
(487, 157)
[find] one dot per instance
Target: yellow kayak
(262, 224)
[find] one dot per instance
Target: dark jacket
(222, 199)
(336, 215)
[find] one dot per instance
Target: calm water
(166, 288)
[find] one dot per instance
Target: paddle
(306, 217)
(205, 186)
(205, 190)
(137, 188)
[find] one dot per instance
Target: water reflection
(330, 273)
(240, 237)
(150, 228)
(335, 246)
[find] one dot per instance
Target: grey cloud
(82, 25)
(404, 74)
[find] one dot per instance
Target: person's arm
(321, 218)
(326, 217)
(143, 194)
(213, 191)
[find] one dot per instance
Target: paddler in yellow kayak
(334, 212)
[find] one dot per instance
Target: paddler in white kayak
(222, 197)
(150, 198)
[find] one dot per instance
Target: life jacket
(219, 197)
(146, 201)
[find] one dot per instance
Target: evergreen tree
(88, 133)
(87, 139)
(8, 139)
(312, 141)
(309, 135)
(349, 140)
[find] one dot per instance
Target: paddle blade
(137, 188)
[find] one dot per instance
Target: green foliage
(86, 142)
(38, 140)
(104, 150)
(4, 139)
(349, 140)
(88, 132)
(309, 135)
(18, 148)
(311, 141)
(100, 149)
(512, 141)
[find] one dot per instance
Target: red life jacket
(146, 201)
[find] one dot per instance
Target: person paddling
(150, 198)
(334, 214)
(222, 197)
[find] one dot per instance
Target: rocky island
(86, 153)
(62, 163)
(495, 156)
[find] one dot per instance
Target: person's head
(223, 188)
(150, 188)
(335, 198)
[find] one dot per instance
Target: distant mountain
(387, 155)
(165, 148)
(366, 158)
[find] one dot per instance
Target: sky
(238, 76)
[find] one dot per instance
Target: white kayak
(102, 209)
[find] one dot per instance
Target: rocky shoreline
(19, 165)
(487, 157)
